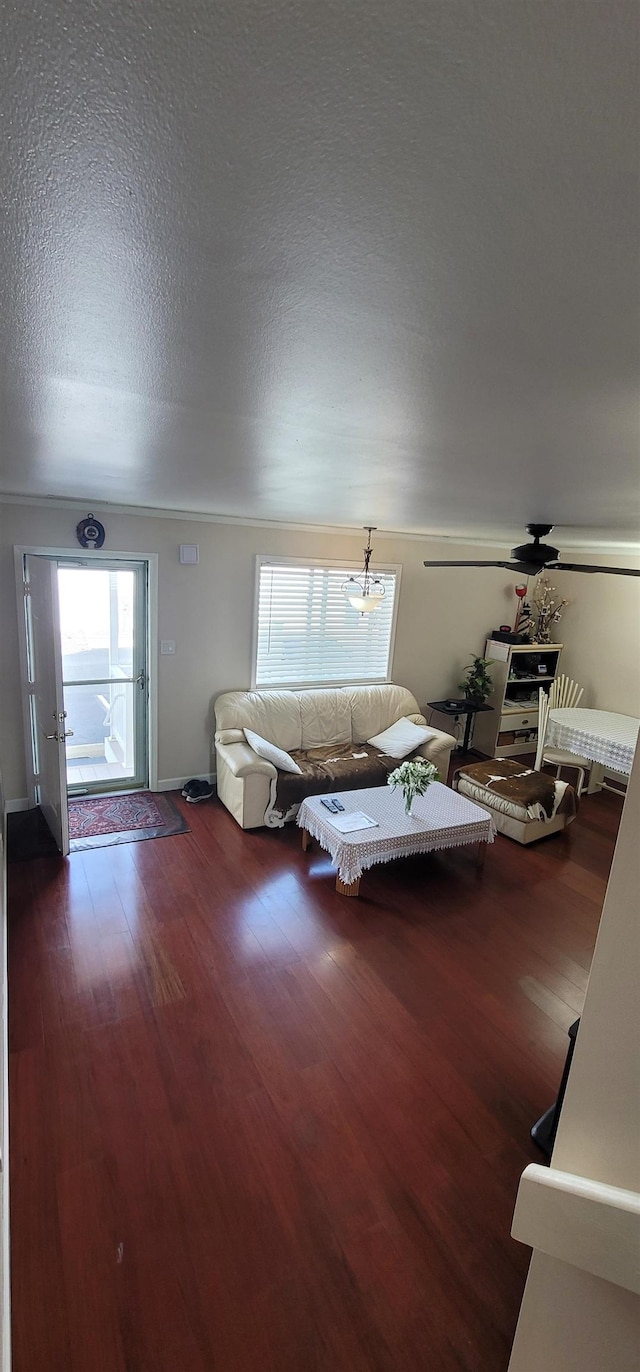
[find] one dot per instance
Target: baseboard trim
(176, 783)
(167, 784)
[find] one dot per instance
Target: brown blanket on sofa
(333, 767)
(513, 781)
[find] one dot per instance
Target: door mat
(96, 822)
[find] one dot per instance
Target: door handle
(140, 680)
(59, 738)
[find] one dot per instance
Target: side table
(455, 708)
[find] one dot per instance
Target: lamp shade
(363, 603)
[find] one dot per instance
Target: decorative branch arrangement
(547, 608)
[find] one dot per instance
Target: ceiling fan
(532, 558)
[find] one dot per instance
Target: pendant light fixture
(366, 591)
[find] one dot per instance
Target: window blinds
(308, 633)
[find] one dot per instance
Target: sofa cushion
(280, 759)
(334, 767)
(521, 789)
(272, 714)
(325, 717)
(401, 738)
(374, 708)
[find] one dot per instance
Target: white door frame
(95, 555)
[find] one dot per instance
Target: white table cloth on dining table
(603, 736)
(441, 819)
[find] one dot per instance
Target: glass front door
(103, 627)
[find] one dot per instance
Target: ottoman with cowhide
(526, 805)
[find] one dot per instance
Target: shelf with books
(512, 726)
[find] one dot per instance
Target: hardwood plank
(257, 1126)
(91, 1288)
(40, 1317)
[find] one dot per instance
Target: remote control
(337, 804)
(328, 804)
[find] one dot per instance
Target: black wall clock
(90, 532)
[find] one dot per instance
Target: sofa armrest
(437, 749)
(242, 761)
(417, 719)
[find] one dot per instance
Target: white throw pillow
(401, 738)
(283, 761)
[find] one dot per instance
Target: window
(309, 635)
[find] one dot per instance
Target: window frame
(348, 566)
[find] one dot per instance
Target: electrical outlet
(167, 647)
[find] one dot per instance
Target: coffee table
(440, 819)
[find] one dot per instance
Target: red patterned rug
(97, 821)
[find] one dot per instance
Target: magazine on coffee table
(347, 824)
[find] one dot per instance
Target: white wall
(601, 634)
(571, 1320)
(443, 615)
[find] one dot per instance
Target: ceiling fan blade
(586, 567)
(511, 565)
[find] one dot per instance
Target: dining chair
(565, 694)
(556, 757)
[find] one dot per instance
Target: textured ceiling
(321, 261)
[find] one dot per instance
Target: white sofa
(300, 720)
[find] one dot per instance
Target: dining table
(606, 738)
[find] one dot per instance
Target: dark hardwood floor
(256, 1125)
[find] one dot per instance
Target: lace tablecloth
(441, 819)
(600, 735)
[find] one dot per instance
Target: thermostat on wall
(189, 553)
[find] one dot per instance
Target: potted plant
(477, 684)
(413, 777)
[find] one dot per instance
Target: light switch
(189, 554)
(167, 646)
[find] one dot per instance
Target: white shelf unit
(512, 727)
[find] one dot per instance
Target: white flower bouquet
(414, 777)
